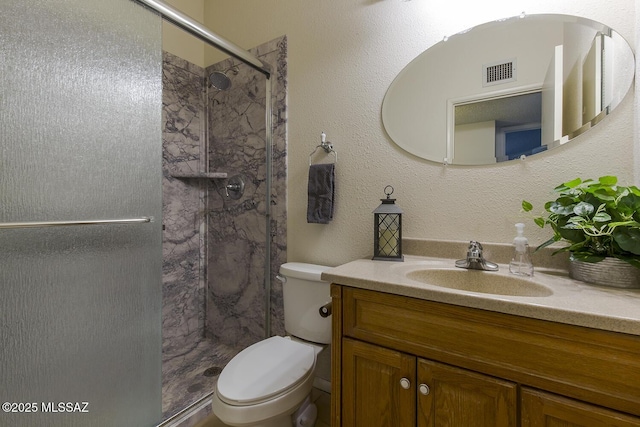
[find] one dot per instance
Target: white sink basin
(480, 281)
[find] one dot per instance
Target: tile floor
(323, 402)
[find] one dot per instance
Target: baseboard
(322, 384)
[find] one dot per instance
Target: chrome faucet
(475, 260)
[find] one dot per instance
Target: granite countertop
(570, 301)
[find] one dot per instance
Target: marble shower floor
(188, 377)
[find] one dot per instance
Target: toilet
(268, 384)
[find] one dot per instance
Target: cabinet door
(540, 409)
(372, 386)
(457, 397)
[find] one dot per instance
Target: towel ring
(326, 146)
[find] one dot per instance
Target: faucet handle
(475, 259)
(475, 249)
(475, 244)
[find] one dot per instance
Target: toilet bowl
(268, 384)
(265, 383)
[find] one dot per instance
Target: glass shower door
(80, 305)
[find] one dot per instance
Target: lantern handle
(390, 192)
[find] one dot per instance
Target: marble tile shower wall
(236, 228)
(183, 208)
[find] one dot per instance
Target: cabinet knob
(424, 389)
(405, 383)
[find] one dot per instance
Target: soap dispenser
(521, 264)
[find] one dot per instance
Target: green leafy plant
(597, 218)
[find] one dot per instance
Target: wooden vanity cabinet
(383, 387)
(399, 361)
(458, 397)
(540, 409)
(372, 389)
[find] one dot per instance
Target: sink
(480, 281)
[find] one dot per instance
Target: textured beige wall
(180, 43)
(342, 57)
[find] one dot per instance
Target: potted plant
(601, 222)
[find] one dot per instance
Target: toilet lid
(264, 370)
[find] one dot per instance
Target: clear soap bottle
(521, 264)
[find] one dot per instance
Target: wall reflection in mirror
(508, 89)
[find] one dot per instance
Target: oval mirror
(507, 89)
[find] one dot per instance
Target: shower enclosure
(224, 130)
(80, 209)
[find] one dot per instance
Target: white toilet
(269, 383)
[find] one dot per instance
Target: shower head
(219, 80)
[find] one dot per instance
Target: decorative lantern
(387, 229)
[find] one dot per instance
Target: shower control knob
(235, 187)
(405, 383)
(424, 389)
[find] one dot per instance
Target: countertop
(571, 302)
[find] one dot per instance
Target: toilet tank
(304, 293)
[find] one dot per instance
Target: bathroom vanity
(408, 352)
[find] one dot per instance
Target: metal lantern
(387, 229)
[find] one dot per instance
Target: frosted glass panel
(80, 307)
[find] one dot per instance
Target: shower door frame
(201, 32)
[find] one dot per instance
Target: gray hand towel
(321, 193)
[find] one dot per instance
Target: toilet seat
(265, 370)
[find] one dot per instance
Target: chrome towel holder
(326, 146)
